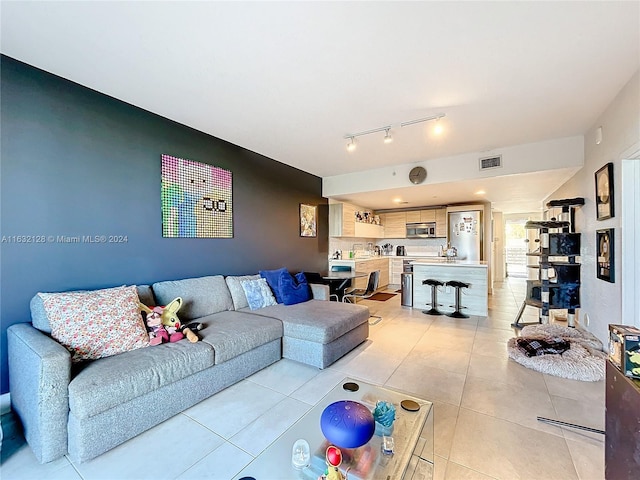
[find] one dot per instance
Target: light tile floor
(485, 407)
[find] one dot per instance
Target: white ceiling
(508, 194)
(290, 79)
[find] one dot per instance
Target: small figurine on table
(334, 459)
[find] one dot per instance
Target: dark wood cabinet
(622, 438)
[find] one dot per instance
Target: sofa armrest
(39, 376)
(319, 291)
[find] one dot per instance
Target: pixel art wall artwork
(197, 199)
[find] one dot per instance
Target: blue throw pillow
(294, 290)
(273, 279)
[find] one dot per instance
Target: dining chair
(372, 285)
(340, 268)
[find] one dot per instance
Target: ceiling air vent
(491, 162)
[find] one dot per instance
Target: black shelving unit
(557, 286)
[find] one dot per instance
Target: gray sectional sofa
(89, 408)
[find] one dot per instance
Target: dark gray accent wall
(75, 162)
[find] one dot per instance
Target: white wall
(497, 257)
(601, 301)
(533, 157)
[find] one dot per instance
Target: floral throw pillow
(97, 323)
(258, 293)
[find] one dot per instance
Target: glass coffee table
(412, 434)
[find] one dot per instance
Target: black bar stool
(457, 285)
(434, 284)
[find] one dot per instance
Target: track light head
(351, 146)
(387, 136)
(438, 128)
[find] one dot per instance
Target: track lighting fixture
(351, 145)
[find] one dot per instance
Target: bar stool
(434, 284)
(457, 285)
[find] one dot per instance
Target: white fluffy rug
(584, 361)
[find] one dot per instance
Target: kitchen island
(474, 298)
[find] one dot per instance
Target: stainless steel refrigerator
(465, 234)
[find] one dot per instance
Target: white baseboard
(5, 403)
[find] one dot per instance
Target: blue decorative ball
(347, 424)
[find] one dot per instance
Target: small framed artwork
(308, 220)
(605, 258)
(604, 192)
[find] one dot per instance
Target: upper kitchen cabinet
(369, 230)
(428, 215)
(441, 222)
(395, 225)
(343, 222)
(413, 216)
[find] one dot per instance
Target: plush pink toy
(157, 333)
(163, 323)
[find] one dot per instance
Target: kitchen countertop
(455, 263)
(414, 258)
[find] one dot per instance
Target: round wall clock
(417, 175)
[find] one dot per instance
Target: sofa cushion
(96, 324)
(234, 333)
(104, 384)
(294, 289)
(273, 279)
(39, 318)
(201, 296)
(145, 294)
(258, 293)
(317, 320)
(234, 283)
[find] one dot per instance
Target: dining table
(339, 281)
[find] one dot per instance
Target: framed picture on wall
(604, 192)
(605, 255)
(308, 220)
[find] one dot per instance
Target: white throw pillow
(258, 293)
(234, 282)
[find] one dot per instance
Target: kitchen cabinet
(369, 265)
(368, 230)
(395, 222)
(396, 268)
(421, 216)
(413, 216)
(441, 222)
(395, 225)
(382, 264)
(428, 215)
(342, 222)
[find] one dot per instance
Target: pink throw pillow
(96, 324)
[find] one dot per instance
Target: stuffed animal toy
(170, 320)
(157, 333)
(164, 325)
(190, 330)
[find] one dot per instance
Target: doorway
(515, 245)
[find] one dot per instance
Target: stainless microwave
(421, 230)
